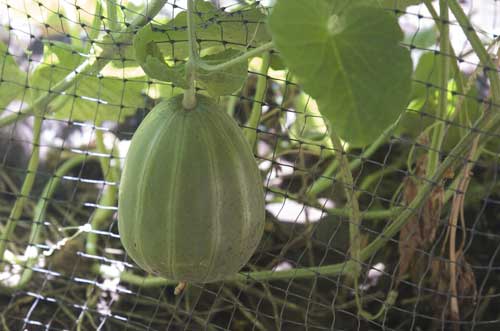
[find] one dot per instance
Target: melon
(191, 203)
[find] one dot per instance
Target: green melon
(191, 203)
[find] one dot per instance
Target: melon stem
(189, 101)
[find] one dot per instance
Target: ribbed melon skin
(191, 203)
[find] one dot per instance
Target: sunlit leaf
(12, 79)
(93, 97)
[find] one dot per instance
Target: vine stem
(439, 130)
(352, 200)
(109, 193)
(324, 181)
(39, 216)
(95, 27)
(243, 57)
(479, 49)
(260, 95)
(189, 100)
(112, 15)
(456, 210)
(88, 67)
(354, 229)
(461, 87)
(21, 199)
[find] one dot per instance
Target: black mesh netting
(72, 95)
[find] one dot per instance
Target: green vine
(324, 181)
(439, 130)
(24, 194)
(112, 15)
(39, 217)
(258, 100)
(239, 59)
(111, 175)
(189, 101)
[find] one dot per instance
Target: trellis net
(68, 113)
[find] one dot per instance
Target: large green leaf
(399, 5)
(12, 79)
(349, 59)
(110, 96)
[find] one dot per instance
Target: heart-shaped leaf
(349, 59)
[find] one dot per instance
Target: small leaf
(349, 59)
(223, 82)
(168, 43)
(152, 60)
(12, 79)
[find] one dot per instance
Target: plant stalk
(189, 100)
(95, 28)
(479, 49)
(112, 15)
(439, 130)
(23, 196)
(109, 192)
(258, 100)
(243, 57)
(324, 181)
(39, 216)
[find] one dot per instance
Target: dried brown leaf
(420, 230)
